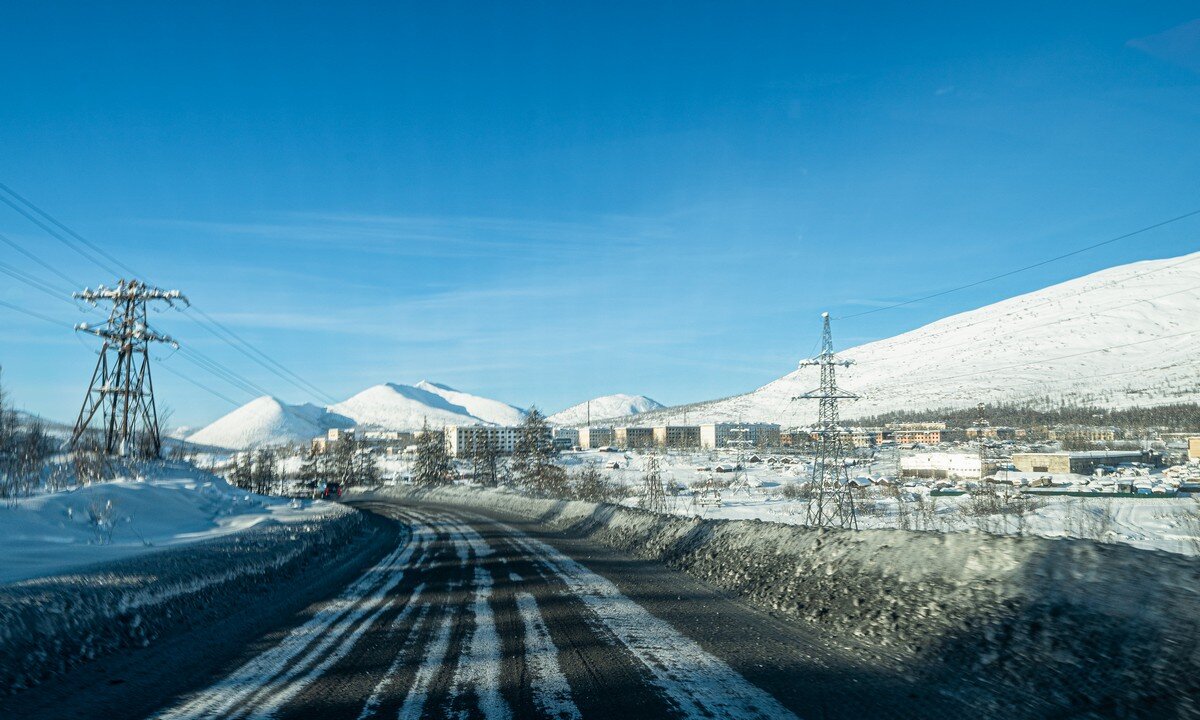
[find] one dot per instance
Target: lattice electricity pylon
(738, 439)
(122, 391)
(831, 503)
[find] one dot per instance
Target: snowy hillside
(267, 421)
(1120, 337)
(608, 406)
(393, 406)
(486, 409)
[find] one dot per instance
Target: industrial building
(1080, 463)
(943, 466)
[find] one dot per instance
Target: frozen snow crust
(50, 624)
(1105, 630)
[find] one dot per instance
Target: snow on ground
(607, 406)
(55, 532)
(1156, 521)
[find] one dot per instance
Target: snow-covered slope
(486, 409)
(1121, 337)
(608, 406)
(393, 406)
(267, 421)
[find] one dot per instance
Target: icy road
(470, 617)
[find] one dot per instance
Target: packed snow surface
(1117, 338)
(57, 532)
(607, 406)
(268, 421)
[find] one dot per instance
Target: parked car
(331, 491)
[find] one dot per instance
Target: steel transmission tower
(122, 392)
(831, 504)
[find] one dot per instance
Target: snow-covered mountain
(391, 406)
(608, 406)
(267, 421)
(486, 409)
(1121, 337)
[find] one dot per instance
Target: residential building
(465, 440)
(591, 438)
(1193, 448)
(677, 436)
(718, 435)
(633, 438)
(917, 433)
(571, 434)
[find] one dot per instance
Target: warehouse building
(1080, 463)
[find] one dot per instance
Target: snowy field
(1159, 521)
(172, 504)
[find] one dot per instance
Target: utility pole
(831, 504)
(121, 392)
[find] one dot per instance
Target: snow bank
(176, 504)
(1073, 623)
(78, 600)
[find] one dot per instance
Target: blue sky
(544, 202)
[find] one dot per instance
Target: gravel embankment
(48, 625)
(1091, 629)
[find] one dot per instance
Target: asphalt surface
(477, 616)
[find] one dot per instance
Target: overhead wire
(41, 217)
(1010, 273)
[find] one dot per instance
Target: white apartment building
(718, 435)
(463, 440)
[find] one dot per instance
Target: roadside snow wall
(1067, 625)
(49, 624)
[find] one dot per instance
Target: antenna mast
(122, 391)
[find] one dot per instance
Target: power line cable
(35, 314)
(1009, 273)
(77, 237)
(197, 383)
(231, 338)
(14, 245)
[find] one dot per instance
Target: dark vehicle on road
(331, 491)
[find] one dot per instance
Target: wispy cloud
(1179, 45)
(426, 236)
